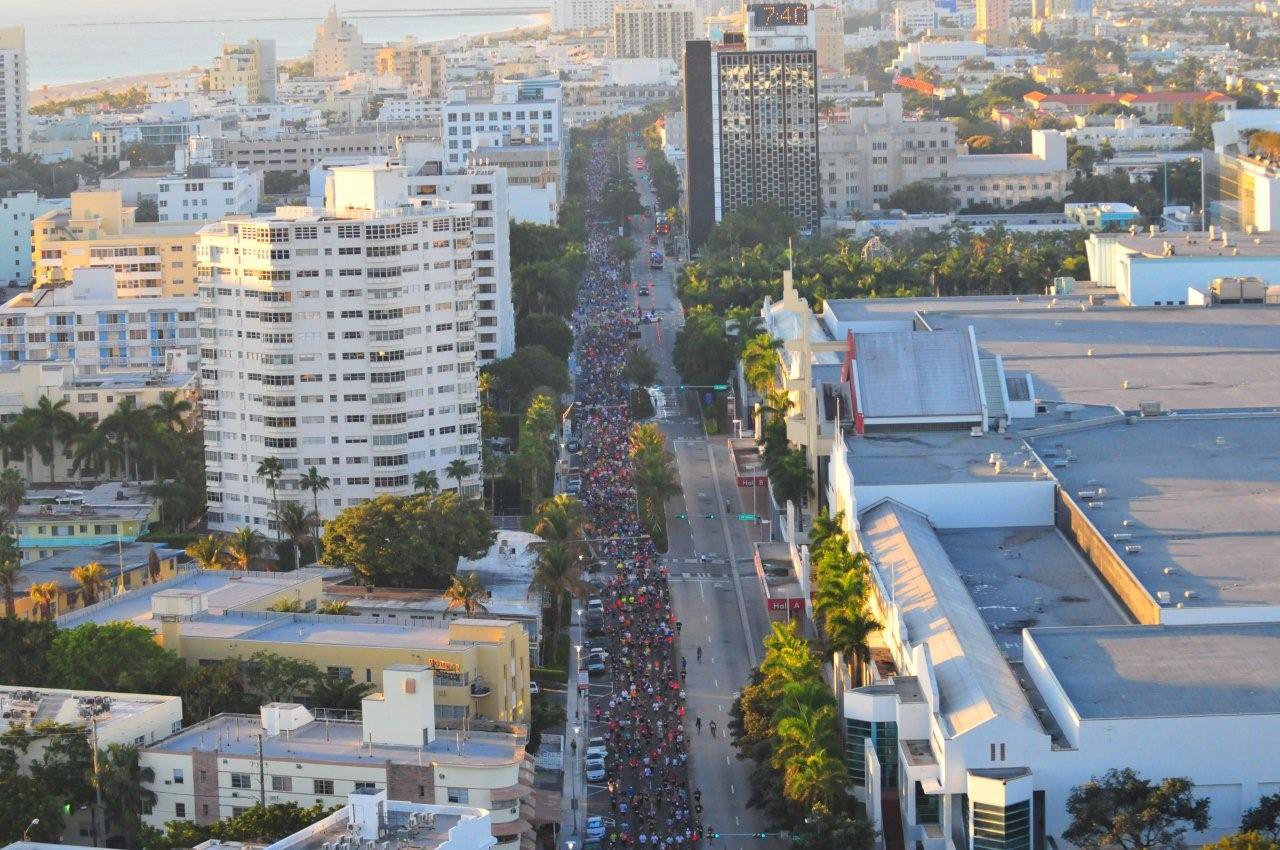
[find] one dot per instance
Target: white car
(596, 749)
(595, 770)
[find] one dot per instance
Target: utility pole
(262, 775)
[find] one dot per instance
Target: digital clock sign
(770, 15)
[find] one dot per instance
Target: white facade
(1007, 179)
(875, 152)
(581, 14)
(353, 328)
(943, 55)
(15, 124)
(914, 17)
(1127, 133)
(654, 31)
(408, 109)
(88, 324)
(17, 211)
(515, 114)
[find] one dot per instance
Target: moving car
(644, 290)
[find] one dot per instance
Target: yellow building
(481, 666)
(128, 567)
(416, 64)
(98, 229)
(53, 520)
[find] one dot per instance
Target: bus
(655, 259)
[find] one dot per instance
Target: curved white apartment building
(341, 338)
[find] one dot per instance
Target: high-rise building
(96, 228)
(338, 49)
(17, 212)
(416, 64)
(15, 131)
(655, 31)
(582, 14)
(751, 120)
(247, 71)
(341, 338)
(993, 20)
(828, 26)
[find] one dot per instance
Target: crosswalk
(666, 404)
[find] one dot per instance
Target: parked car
(597, 826)
(596, 748)
(534, 689)
(596, 666)
(595, 770)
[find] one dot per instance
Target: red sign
(796, 606)
(752, 480)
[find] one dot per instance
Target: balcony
(480, 689)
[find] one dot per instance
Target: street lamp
(36, 822)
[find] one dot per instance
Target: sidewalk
(574, 711)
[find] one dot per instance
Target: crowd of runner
(642, 718)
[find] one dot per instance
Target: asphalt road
(715, 615)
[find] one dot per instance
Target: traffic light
(715, 835)
(711, 516)
(762, 835)
(682, 516)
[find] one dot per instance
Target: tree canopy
(408, 541)
(1122, 809)
(547, 330)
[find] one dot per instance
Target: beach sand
(118, 84)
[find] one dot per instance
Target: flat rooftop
(401, 835)
(63, 706)
(1021, 578)
(1202, 496)
(58, 566)
(1185, 358)
(1165, 671)
(226, 589)
(337, 741)
(1198, 244)
(933, 457)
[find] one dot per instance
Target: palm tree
(468, 593)
(334, 606)
(54, 425)
(272, 470)
(242, 546)
(341, 694)
(10, 573)
(170, 411)
(841, 588)
(484, 383)
(127, 424)
(656, 482)
(19, 440)
(95, 454)
(459, 469)
(760, 362)
(558, 574)
(815, 779)
(646, 438)
(848, 630)
(315, 482)
(425, 481)
(776, 403)
(12, 491)
(92, 577)
(209, 552)
(121, 780)
(804, 729)
(45, 597)
(297, 523)
(560, 519)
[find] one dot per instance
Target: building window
(366, 786)
(927, 806)
(180, 810)
(1002, 827)
(281, 783)
(458, 795)
(178, 777)
(323, 786)
(884, 737)
(241, 780)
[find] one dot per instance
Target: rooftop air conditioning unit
(1169, 570)
(1163, 597)
(1093, 506)
(1122, 535)
(1133, 549)
(1191, 594)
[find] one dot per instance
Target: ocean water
(71, 41)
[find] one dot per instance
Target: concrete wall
(971, 505)
(1114, 571)
(1151, 280)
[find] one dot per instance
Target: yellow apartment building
(128, 567)
(98, 229)
(480, 666)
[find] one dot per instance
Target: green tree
(276, 678)
(209, 689)
(272, 470)
(923, 197)
(1121, 809)
(413, 541)
(315, 482)
(468, 593)
(88, 658)
(171, 411)
(764, 225)
(146, 211)
(826, 831)
(297, 525)
(127, 425)
(1244, 841)
(24, 651)
(791, 477)
(44, 598)
(209, 552)
(343, 694)
(426, 481)
(624, 249)
(702, 354)
(54, 427)
(92, 578)
(13, 490)
(534, 454)
(640, 368)
(459, 469)
(242, 546)
(1264, 817)
(10, 573)
(547, 330)
(121, 781)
